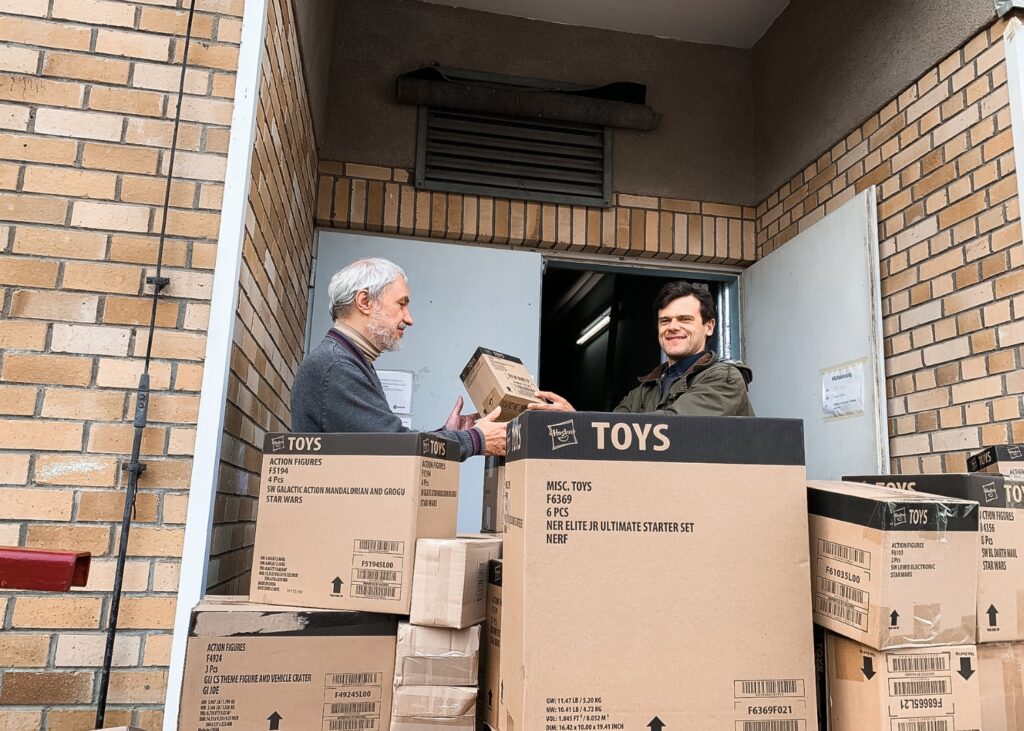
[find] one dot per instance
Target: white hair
(373, 275)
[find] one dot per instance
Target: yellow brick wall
(952, 264)
(273, 292)
(87, 91)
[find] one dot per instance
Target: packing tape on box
(438, 670)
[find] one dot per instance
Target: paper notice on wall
(397, 390)
(842, 390)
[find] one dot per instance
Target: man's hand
(457, 420)
(494, 434)
(556, 402)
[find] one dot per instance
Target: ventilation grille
(550, 161)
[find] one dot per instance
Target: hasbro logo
(563, 434)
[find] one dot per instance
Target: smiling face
(682, 331)
(389, 315)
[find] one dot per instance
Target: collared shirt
(677, 370)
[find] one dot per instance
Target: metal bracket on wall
(1005, 6)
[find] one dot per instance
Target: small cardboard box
(893, 569)
(1001, 672)
(492, 518)
(655, 574)
(1000, 548)
(495, 379)
(489, 708)
(437, 655)
(428, 707)
(449, 585)
(246, 664)
(1002, 459)
(339, 516)
(918, 689)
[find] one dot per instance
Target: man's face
(682, 331)
(389, 315)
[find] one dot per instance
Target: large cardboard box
(490, 706)
(429, 707)
(248, 664)
(917, 689)
(449, 584)
(339, 516)
(492, 518)
(495, 379)
(437, 656)
(655, 574)
(1002, 459)
(893, 569)
(1000, 547)
(1001, 673)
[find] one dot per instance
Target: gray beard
(383, 333)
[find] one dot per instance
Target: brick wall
(87, 90)
(952, 266)
(371, 198)
(271, 318)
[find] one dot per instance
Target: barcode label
(352, 724)
(841, 612)
(355, 678)
(768, 688)
(843, 591)
(930, 686)
(373, 591)
(767, 725)
(846, 554)
(936, 663)
(924, 724)
(481, 582)
(354, 707)
(371, 546)
(375, 575)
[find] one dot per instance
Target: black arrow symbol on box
(869, 668)
(894, 618)
(275, 720)
(992, 612)
(656, 724)
(965, 668)
(336, 583)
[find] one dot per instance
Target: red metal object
(29, 568)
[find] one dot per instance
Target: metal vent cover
(510, 157)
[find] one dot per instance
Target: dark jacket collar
(705, 360)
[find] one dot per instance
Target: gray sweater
(337, 390)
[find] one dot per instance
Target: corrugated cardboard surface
(1001, 459)
(311, 669)
(492, 518)
(893, 569)
(1001, 673)
(339, 516)
(490, 705)
(449, 587)
(1000, 548)
(920, 689)
(685, 541)
(495, 379)
(437, 655)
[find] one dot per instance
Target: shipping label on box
(249, 664)
(893, 569)
(490, 705)
(339, 516)
(437, 655)
(495, 379)
(492, 518)
(919, 689)
(1001, 673)
(449, 587)
(1001, 459)
(683, 540)
(1000, 548)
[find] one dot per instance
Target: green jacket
(712, 387)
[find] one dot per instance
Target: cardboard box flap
(431, 701)
(364, 445)
(655, 438)
(889, 510)
(239, 619)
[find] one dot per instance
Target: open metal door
(463, 297)
(812, 333)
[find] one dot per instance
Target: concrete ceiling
(736, 23)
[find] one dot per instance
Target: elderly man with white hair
(337, 389)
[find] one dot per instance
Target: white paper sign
(397, 390)
(842, 390)
(406, 421)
